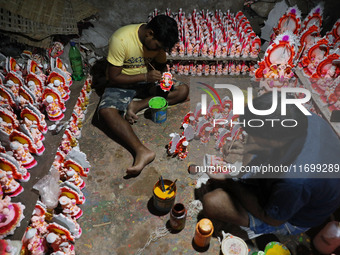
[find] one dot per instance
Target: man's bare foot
(133, 108)
(143, 157)
(131, 111)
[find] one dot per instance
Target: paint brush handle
(152, 66)
(171, 189)
(162, 184)
(172, 184)
(232, 142)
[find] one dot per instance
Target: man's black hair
(165, 30)
(278, 131)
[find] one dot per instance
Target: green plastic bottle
(76, 62)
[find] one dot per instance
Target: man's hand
(233, 154)
(153, 76)
(253, 146)
(240, 151)
(243, 152)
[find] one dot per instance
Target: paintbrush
(156, 82)
(162, 184)
(232, 142)
(172, 188)
(172, 184)
(152, 66)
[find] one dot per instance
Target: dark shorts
(119, 98)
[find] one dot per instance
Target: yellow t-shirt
(126, 50)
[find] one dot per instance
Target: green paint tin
(158, 106)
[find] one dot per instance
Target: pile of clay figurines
(204, 68)
(210, 35)
(27, 94)
(219, 34)
(53, 227)
(298, 44)
(45, 88)
(321, 62)
(219, 123)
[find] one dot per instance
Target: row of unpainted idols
(222, 68)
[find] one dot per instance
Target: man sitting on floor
(284, 202)
(136, 61)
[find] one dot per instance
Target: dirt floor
(119, 217)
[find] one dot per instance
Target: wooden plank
(326, 113)
(29, 197)
(186, 58)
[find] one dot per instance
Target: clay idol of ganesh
(166, 82)
(290, 21)
(275, 70)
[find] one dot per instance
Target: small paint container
(234, 245)
(158, 106)
(178, 215)
(203, 232)
(163, 201)
(273, 248)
